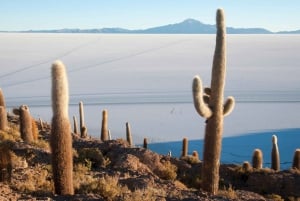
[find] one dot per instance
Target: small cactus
(209, 104)
(195, 155)
(28, 127)
(275, 154)
(128, 134)
(104, 128)
(109, 135)
(83, 128)
(61, 139)
(25, 124)
(296, 159)
(75, 130)
(257, 159)
(41, 124)
(246, 166)
(184, 151)
(145, 145)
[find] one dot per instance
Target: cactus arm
(199, 103)
(229, 105)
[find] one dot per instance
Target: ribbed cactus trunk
(275, 154)
(3, 114)
(184, 151)
(25, 124)
(61, 139)
(209, 104)
(104, 127)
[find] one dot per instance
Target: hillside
(112, 170)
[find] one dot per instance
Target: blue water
(236, 150)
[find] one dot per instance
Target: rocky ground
(113, 170)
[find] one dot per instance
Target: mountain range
(188, 26)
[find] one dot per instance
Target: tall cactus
(257, 159)
(104, 127)
(61, 139)
(275, 154)
(209, 104)
(3, 114)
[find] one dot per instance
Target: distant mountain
(289, 32)
(188, 26)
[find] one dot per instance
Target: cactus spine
(209, 104)
(83, 129)
(104, 128)
(61, 139)
(257, 159)
(128, 134)
(296, 160)
(3, 114)
(275, 154)
(184, 151)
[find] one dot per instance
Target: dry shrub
(12, 133)
(36, 181)
(166, 171)
(149, 194)
(274, 197)
(91, 157)
(191, 159)
(228, 193)
(107, 186)
(42, 144)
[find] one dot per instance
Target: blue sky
(16, 15)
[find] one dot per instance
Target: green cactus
(296, 160)
(83, 128)
(61, 139)
(275, 154)
(184, 151)
(104, 128)
(209, 104)
(128, 134)
(3, 114)
(257, 159)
